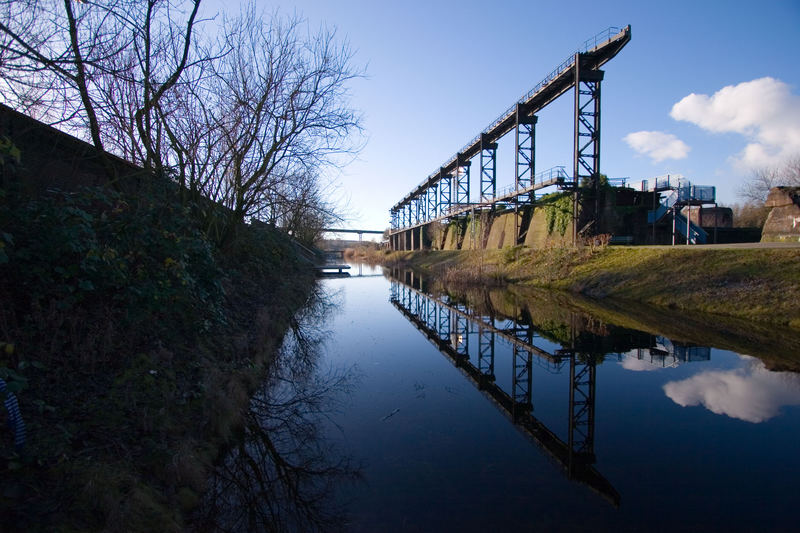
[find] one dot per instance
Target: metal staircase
(680, 193)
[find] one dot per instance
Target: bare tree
(755, 190)
(283, 108)
(244, 122)
(58, 56)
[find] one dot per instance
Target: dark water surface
(493, 411)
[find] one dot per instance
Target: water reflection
(282, 474)
(470, 328)
(451, 325)
(751, 393)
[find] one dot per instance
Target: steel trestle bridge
(445, 193)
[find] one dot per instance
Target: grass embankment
(133, 344)
(755, 284)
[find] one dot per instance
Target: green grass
(754, 284)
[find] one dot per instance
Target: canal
(398, 405)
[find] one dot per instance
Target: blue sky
(437, 73)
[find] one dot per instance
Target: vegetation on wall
(558, 211)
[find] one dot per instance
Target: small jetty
(332, 269)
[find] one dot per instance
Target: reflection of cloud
(639, 365)
(764, 111)
(657, 145)
(751, 393)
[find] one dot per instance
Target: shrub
(81, 271)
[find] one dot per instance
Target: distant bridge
(360, 232)
(445, 193)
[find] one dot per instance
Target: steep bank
(133, 344)
(754, 284)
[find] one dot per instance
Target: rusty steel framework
(445, 193)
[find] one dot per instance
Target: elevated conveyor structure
(445, 192)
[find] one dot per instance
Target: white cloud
(764, 111)
(657, 145)
(638, 365)
(751, 393)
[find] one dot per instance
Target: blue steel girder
(445, 192)
(461, 178)
(587, 123)
(433, 201)
(488, 151)
(525, 156)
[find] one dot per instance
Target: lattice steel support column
(461, 178)
(524, 159)
(521, 385)
(586, 159)
(432, 316)
(443, 327)
(524, 162)
(488, 168)
(582, 374)
(445, 192)
(433, 201)
(423, 203)
(460, 334)
(486, 355)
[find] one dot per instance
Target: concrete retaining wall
(783, 221)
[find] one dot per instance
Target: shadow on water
(282, 474)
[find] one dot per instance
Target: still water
(412, 408)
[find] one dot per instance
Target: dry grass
(754, 284)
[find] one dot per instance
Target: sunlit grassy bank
(761, 285)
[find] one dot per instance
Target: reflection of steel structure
(448, 325)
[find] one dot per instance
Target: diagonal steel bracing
(488, 160)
